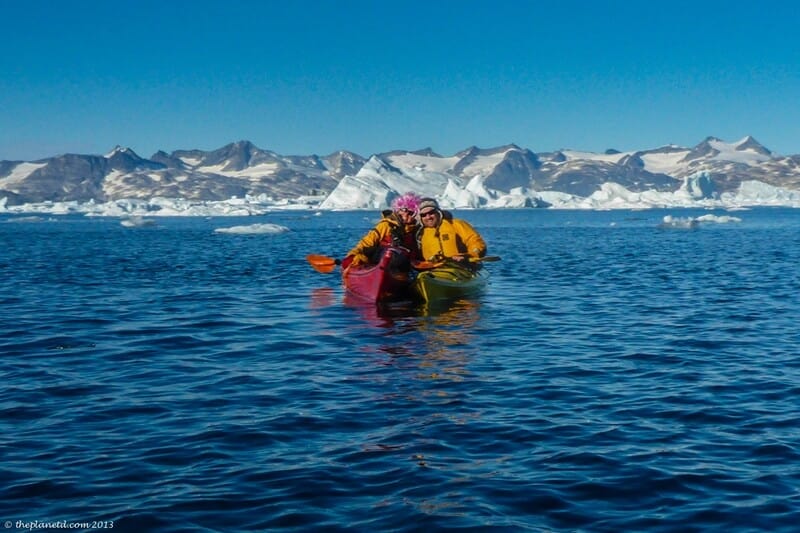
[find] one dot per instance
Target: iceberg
(254, 229)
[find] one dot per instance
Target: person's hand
(359, 259)
(459, 258)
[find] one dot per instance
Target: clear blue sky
(303, 77)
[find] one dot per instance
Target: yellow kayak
(450, 282)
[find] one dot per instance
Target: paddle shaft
(427, 265)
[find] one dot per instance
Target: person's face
(406, 216)
(429, 217)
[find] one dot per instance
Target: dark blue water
(616, 376)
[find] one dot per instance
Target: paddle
(326, 265)
(323, 263)
(427, 265)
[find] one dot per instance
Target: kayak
(387, 280)
(449, 282)
(396, 279)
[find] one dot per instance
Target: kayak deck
(450, 282)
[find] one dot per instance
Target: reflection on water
(438, 340)
(449, 336)
(416, 360)
(322, 297)
(385, 314)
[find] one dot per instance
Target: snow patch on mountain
(663, 162)
(614, 157)
(422, 163)
(19, 174)
(254, 171)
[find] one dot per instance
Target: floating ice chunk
(254, 229)
(679, 222)
(26, 219)
(723, 219)
(137, 222)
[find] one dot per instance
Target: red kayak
(390, 279)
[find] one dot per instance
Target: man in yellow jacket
(442, 236)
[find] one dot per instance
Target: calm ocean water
(616, 376)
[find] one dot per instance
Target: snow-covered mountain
(236, 170)
(712, 173)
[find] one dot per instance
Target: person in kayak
(441, 236)
(397, 229)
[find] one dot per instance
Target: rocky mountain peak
(749, 143)
(703, 150)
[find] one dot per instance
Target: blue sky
(303, 77)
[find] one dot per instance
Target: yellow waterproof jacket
(389, 231)
(451, 237)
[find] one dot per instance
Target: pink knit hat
(408, 201)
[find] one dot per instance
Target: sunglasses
(405, 211)
(428, 213)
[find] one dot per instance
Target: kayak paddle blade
(322, 263)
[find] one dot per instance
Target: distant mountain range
(243, 170)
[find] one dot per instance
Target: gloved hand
(359, 259)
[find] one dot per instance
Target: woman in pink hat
(396, 229)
